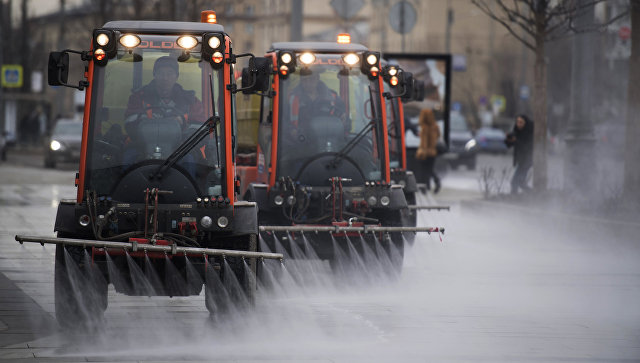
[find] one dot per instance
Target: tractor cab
(156, 181)
(158, 113)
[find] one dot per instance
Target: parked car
(463, 148)
(64, 143)
(491, 140)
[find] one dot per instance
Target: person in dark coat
(521, 138)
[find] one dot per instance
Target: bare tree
(534, 23)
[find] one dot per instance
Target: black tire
(80, 290)
(219, 299)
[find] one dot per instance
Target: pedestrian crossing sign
(12, 75)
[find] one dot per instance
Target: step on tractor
(318, 157)
(156, 187)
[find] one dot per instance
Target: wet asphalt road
(504, 285)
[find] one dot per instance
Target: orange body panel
(229, 162)
(403, 162)
(274, 135)
(385, 134)
(85, 134)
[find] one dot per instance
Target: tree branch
(482, 5)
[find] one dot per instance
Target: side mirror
(408, 86)
(255, 78)
(418, 91)
(263, 79)
(58, 69)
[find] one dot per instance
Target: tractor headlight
(286, 57)
(223, 222)
(206, 221)
(351, 59)
(372, 59)
(470, 145)
(385, 201)
(187, 41)
(291, 200)
(55, 145)
(129, 41)
(372, 200)
(307, 58)
(102, 39)
(84, 220)
(214, 42)
(278, 200)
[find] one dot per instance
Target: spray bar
(430, 207)
(345, 229)
(134, 246)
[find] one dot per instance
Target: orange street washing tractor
(321, 151)
(156, 188)
(402, 87)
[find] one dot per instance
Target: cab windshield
(330, 124)
(145, 103)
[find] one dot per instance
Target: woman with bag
(429, 135)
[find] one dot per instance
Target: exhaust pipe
(134, 246)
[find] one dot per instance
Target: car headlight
(470, 144)
(55, 145)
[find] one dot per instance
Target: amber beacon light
(208, 16)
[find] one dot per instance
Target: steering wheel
(327, 154)
(106, 153)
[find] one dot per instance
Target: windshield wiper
(353, 142)
(205, 129)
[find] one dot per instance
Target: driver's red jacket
(183, 105)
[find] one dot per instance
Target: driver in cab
(164, 98)
(312, 98)
(158, 115)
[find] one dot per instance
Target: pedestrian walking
(521, 138)
(427, 151)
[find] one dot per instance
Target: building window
(249, 28)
